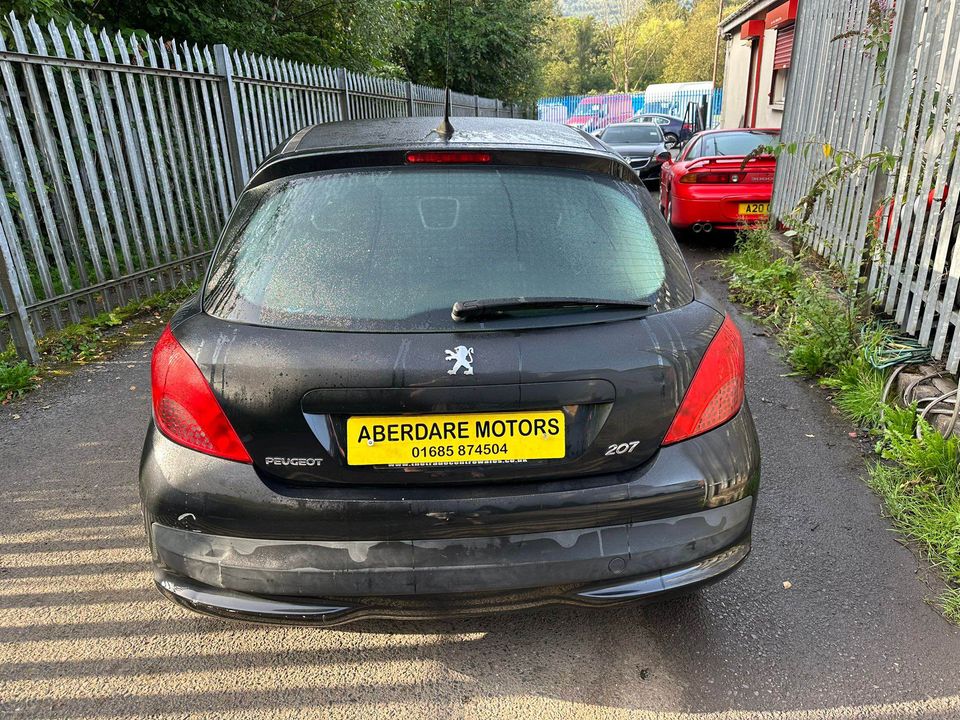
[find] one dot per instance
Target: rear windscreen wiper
(474, 309)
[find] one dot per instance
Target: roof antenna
(445, 129)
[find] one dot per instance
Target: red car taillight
(716, 392)
(184, 406)
(710, 178)
(448, 156)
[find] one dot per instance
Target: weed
(918, 475)
(929, 515)
(16, 378)
(918, 482)
(950, 604)
(898, 420)
(821, 332)
(859, 391)
(767, 287)
(818, 329)
(756, 278)
(932, 458)
(81, 342)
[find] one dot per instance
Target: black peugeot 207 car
(432, 374)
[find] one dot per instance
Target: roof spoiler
(737, 160)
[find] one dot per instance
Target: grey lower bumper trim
(506, 563)
(225, 603)
(674, 578)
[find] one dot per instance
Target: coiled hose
(909, 353)
(894, 349)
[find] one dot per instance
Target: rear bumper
(646, 170)
(721, 211)
(229, 542)
(332, 583)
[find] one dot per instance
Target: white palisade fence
(121, 157)
(904, 102)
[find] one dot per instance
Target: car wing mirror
(665, 157)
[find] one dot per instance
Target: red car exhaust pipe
(706, 227)
(697, 227)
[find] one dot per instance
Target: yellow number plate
(754, 209)
(451, 439)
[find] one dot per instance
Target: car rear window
(636, 134)
(730, 143)
(394, 249)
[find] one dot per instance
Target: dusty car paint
(300, 521)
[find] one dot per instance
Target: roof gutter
(747, 12)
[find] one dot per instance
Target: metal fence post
(231, 119)
(19, 322)
(411, 111)
(476, 106)
(344, 94)
(897, 80)
(889, 125)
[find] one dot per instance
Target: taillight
(716, 392)
(448, 156)
(184, 406)
(710, 178)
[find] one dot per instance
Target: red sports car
(707, 187)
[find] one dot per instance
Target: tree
(360, 35)
(573, 57)
(483, 47)
(638, 45)
(692, 52)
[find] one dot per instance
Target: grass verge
(916, 472)
(90, 339)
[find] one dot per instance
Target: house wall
(735, 74)
(769, 112)
(739, 75)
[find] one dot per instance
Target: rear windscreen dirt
(394, 249)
